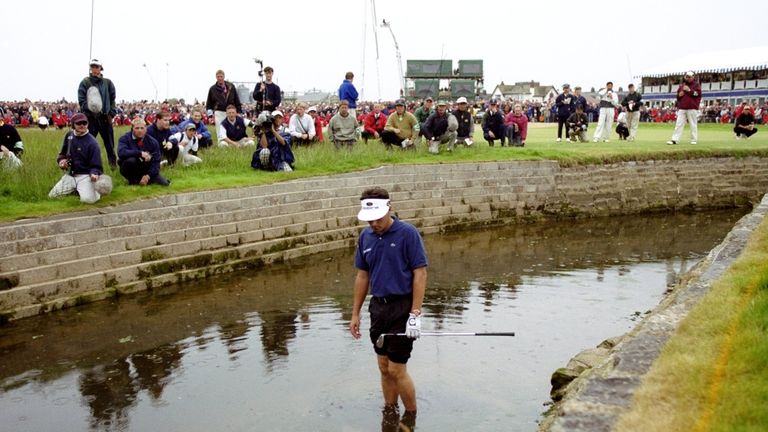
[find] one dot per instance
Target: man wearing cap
(203, 134)
(187, 144)
(266, 93)
(745, 123)
(96, 96)
(688, 100)
(466, 126)
(348, 92)
(301, 126)
(140, 156)
(233, 130)
(422, 113)
(318, 123)
(401, 127)
(11, 146)
(493, 123)
(273, 152)
(565, 103)
(608, 102)
(632, 103)
(342, 129)
(436, 129)
(391, 263)
(577, 125)
(374, 123)
(220, 95)
(80, 158)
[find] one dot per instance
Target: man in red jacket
(688, 99)
(318, 123)
(373, 123)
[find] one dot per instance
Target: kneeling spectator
(301, 126)
(745, 124)
(577, 125)
(516, 126)
(11, 146)
(233, 130)
(437, 129)
(401, 128)
(80, 158)
(139, 156)
(187, 144)
(160, 130)
(621, 126)
(466, 128)
(318, 123)
(374, 123)
(274, 150)
(203, 135)
(493, 124)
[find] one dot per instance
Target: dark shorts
(389, 315)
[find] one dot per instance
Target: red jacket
(318, 128)
(371, 125)
(521, 121)
(689, 99)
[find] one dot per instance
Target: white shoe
(738, 137)
(595, 140)
(671, 142)
(693, 142)
(606, 140)
(557, 140)
(567, 140)
(433, 147)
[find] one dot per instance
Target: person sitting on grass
(301, 126)
(621, 125)
(401, 128)
(80, 158)
(11, 146)
(437, 129)
(139, 156)
(187, 143)
(161, 131)
(203, 135)
(374, 123)
(318, 121)
(273, 152)
(578, 124)
(745, 124)
(233, 130)
(516, 128)
(342, 129)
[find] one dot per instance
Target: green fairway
(24, 193)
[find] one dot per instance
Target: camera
(265, 118)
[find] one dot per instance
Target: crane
(386, 24)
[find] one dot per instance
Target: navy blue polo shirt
(391, 258)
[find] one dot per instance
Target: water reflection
(183, 357)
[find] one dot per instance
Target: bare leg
(388, 383)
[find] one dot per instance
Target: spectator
(342, 129)
(267, 94)
(688, 100)
(608, 102)
(422, 113)
(466, 129)
(632, 103)
(745, 124)
(187, 144)
(437, 129)
(96, 96)
(578, 123)
(220, 95)
(580, 100)
(516, 126)
(273, 152)
(621, 125)
(160, 130)
(203, 134)
(374, 123)
(301, 126)
(401, 127)
(348, 92)
(80, 158)
(565, 103)
(318, 123)
(11, 146)
(233, 130)
(140, 156)
(493, 124)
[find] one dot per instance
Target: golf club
(380, 339)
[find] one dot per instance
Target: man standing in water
(392, 262)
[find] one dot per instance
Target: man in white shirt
(301, 126)
(609, 100)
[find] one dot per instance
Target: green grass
(24, 193)
(713, 373)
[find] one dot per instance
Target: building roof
(713, 62)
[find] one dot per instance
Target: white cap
(95, 62)
(276, 113)
(689, 73)
(461, 100)
(312, 108)
(372, 209)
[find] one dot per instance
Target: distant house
(524, 91)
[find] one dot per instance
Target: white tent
(713, 62)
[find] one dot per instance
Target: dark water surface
(270, 351)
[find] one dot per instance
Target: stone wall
(50, 263)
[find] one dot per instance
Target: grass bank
(712, 375)
(24, 193)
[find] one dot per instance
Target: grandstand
(732, 76)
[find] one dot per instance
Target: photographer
(80, 158)
(96, 96)
(608, 103)
(274, 149)
(267, 94)
(577, 125)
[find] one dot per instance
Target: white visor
(372, 209)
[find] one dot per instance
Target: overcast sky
(312, 43)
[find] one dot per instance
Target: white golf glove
(413, 327)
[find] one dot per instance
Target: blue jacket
(435, 126)
(493, 122)
(277, 153)
(129, 147)
(273, 95)
(199, 127)
(348, 92)
(564, 109)
(158, 135)
(83, 153)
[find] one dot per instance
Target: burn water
(269, 350)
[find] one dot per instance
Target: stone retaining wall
(50, 263)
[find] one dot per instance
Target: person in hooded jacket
(96, 96)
